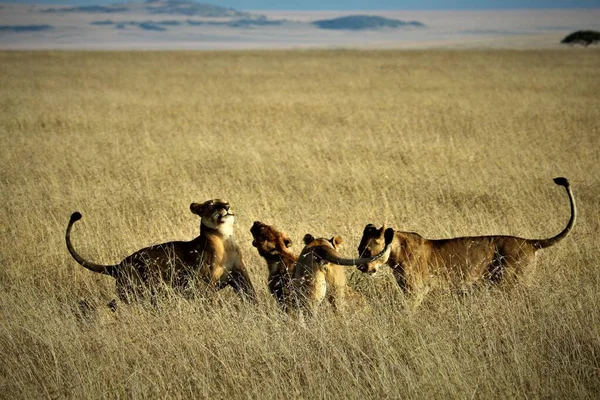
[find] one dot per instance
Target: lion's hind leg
(510, 263)
(496, 270)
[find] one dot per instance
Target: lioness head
(215, 214)
(372, 242)
(269, 242)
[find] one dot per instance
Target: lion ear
(388, 236)
(287, 242)
(197, 208)
(308, 238)
(254, 243)
(336, 241)
(369, 228)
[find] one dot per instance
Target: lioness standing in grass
(418, 263)
(213, 258)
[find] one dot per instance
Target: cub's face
(334, 243)
(314, 246)
(372, 242)
(269, 242)
(215, 214)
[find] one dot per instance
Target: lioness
(213, 257)
(418, 263)
(274, 247)
(318, 274)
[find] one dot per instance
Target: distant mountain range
(193, 25)
(183, 17)
(362, 22)
(162, 25)
(25, 28)
(164, 7)
(207, 14)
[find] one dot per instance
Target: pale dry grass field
(445, 143)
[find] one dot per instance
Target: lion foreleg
(241, 284)
(337, 298)
(400, 276)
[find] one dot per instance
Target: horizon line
(117, 2)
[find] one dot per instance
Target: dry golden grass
(443, 143)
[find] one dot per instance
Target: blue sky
(360, 4)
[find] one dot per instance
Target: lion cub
(213, 259)
(418, 263)
(319, 274)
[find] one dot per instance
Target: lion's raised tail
(102, 269)
(332, 257)
(543, 243)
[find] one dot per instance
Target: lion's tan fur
(419, 263)
(319, 272)
(274, 246)
(211, 261)
(316, 279)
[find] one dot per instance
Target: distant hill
(360, 22)
(162, 25)
(163, 7)
(191, 8)
(24, 28)
(87, 9)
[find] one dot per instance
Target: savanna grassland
(446, 143)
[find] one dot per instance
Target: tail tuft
(76, 216)
(561, 181)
